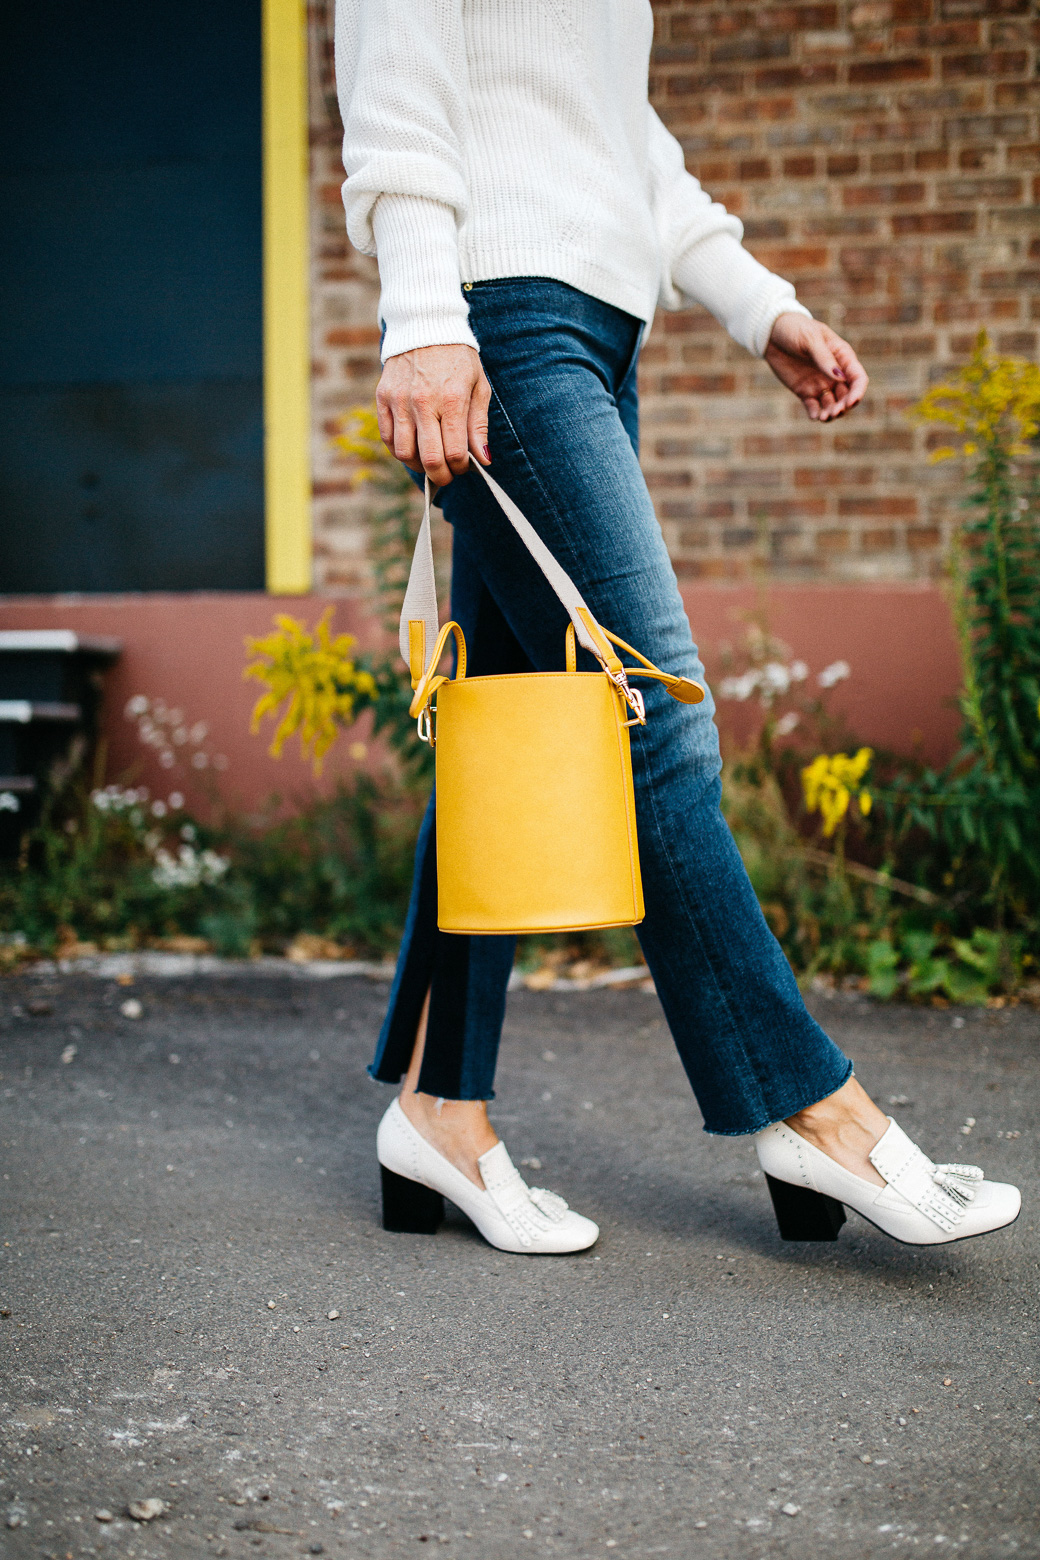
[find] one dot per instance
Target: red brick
(887, 162)
(354, 336)
(954, 310)
(872, 441)
(1006, 62)
(796, 76)
(698, 384)
(934, 222)
(792, 257)
(917, 67)
(883, 194)
(841, 165)
(984, 191)
(938, 35)
(799, 167)
(801, 508)
(1018, 342)
(833, 476)
(933, 160)
(783, 444)
(799, 18)
(878, 541)
(876, 504)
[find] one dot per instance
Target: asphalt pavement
(202, 1320)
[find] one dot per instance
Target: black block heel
(803, 1214)
(408, 1207)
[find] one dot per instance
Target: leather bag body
(536, 827)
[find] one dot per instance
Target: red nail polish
(487, 454)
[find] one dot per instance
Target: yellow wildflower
(831, 782)
(358, 436)
(991, 398)
(317, 676)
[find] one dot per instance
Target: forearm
(737, 289)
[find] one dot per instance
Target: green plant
(983, 809)
(925, 964)
(113, 868)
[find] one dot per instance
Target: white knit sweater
(496, 138)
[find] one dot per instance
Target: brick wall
(883, 155)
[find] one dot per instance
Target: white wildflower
(199, 761)
(175, 801)
(199, 732)
(835, 673)
(739, 688)
(167, 758)
(136, 706)
(189, 868)
(786, 724)
(158, 809)
(776, 679)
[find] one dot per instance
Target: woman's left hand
(816, 365)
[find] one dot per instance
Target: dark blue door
(131, 437)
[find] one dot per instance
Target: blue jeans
(564, 439)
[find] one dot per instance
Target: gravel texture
(189, 1198)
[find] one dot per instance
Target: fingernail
(839, 373)
(487, 454)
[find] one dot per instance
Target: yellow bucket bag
(536, 826)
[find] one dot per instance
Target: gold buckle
(632, 697)
(424, 725)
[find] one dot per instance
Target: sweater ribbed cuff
(421, 302)
(743, 295)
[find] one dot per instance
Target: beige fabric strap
(420, 598)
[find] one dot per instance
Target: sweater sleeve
(704, 260)
(401, 78)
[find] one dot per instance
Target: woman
(528, 210)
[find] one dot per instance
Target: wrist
(788, 323)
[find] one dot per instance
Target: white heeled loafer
(921, 1203)
(508, 1213)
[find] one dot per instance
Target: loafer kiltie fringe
(922, 1203)
(508, 1213)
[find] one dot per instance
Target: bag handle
(419, 611)
(422, 641)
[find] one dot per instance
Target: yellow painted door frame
(287, 355)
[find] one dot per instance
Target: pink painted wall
(897, 639)
(188, 650)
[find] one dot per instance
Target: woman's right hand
(432, 405)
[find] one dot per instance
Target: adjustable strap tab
(682, 688)
(429, 681)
